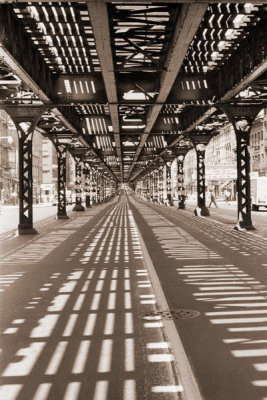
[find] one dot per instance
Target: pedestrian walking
(227, 196)
(212, 199)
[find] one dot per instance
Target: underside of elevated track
(126, 87)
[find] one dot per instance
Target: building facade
(220, 159)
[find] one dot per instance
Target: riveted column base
(78, 207)
(26, 230)
(244, 224)
(87, 202)
(202, 211)
(62, 216)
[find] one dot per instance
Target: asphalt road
(225, 213)
(92, 304)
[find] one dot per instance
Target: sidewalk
(79, 320)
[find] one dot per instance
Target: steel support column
(98, 195)
(151, 185)
(201, 192)
(25, 120)
(180, 186)
(242, 119)
(161, 185)
(155, 186)
(78, 185)
(87, 173)
(169, 185)
(105, 190)
(93, 187)
(25, 184)
(61, 150)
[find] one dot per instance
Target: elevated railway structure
(128, 86)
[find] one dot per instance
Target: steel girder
(184, 32)
(61, 149)
(242, 119)
(78, 185)
(143, 1)
(168, 184)
(100, 23)
(87, 184)
(25, 133)
(180, 187)
(201, 194)
(18, 52)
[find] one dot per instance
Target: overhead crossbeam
(144, 1)
(187, 24)
(101, 29)
(21, 63)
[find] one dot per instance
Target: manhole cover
(174, 314)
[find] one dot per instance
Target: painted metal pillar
(78, 185)
(104, 187)
(201, 190)
(87, 184)
(169, 184)
(93, 187)
(147, 187)
(242, 119)
(151, 190)
(25, 184)
(180, 179)
(98, 194)
(61, 150)
(155, 186)
(161, 185)
(20, 116)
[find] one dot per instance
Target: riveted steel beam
(100, 23)
(187, 24)
(141, 1)
(17, 51)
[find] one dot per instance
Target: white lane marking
(160, 357)
(167, 389)
(153, 324)
(157, 345)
